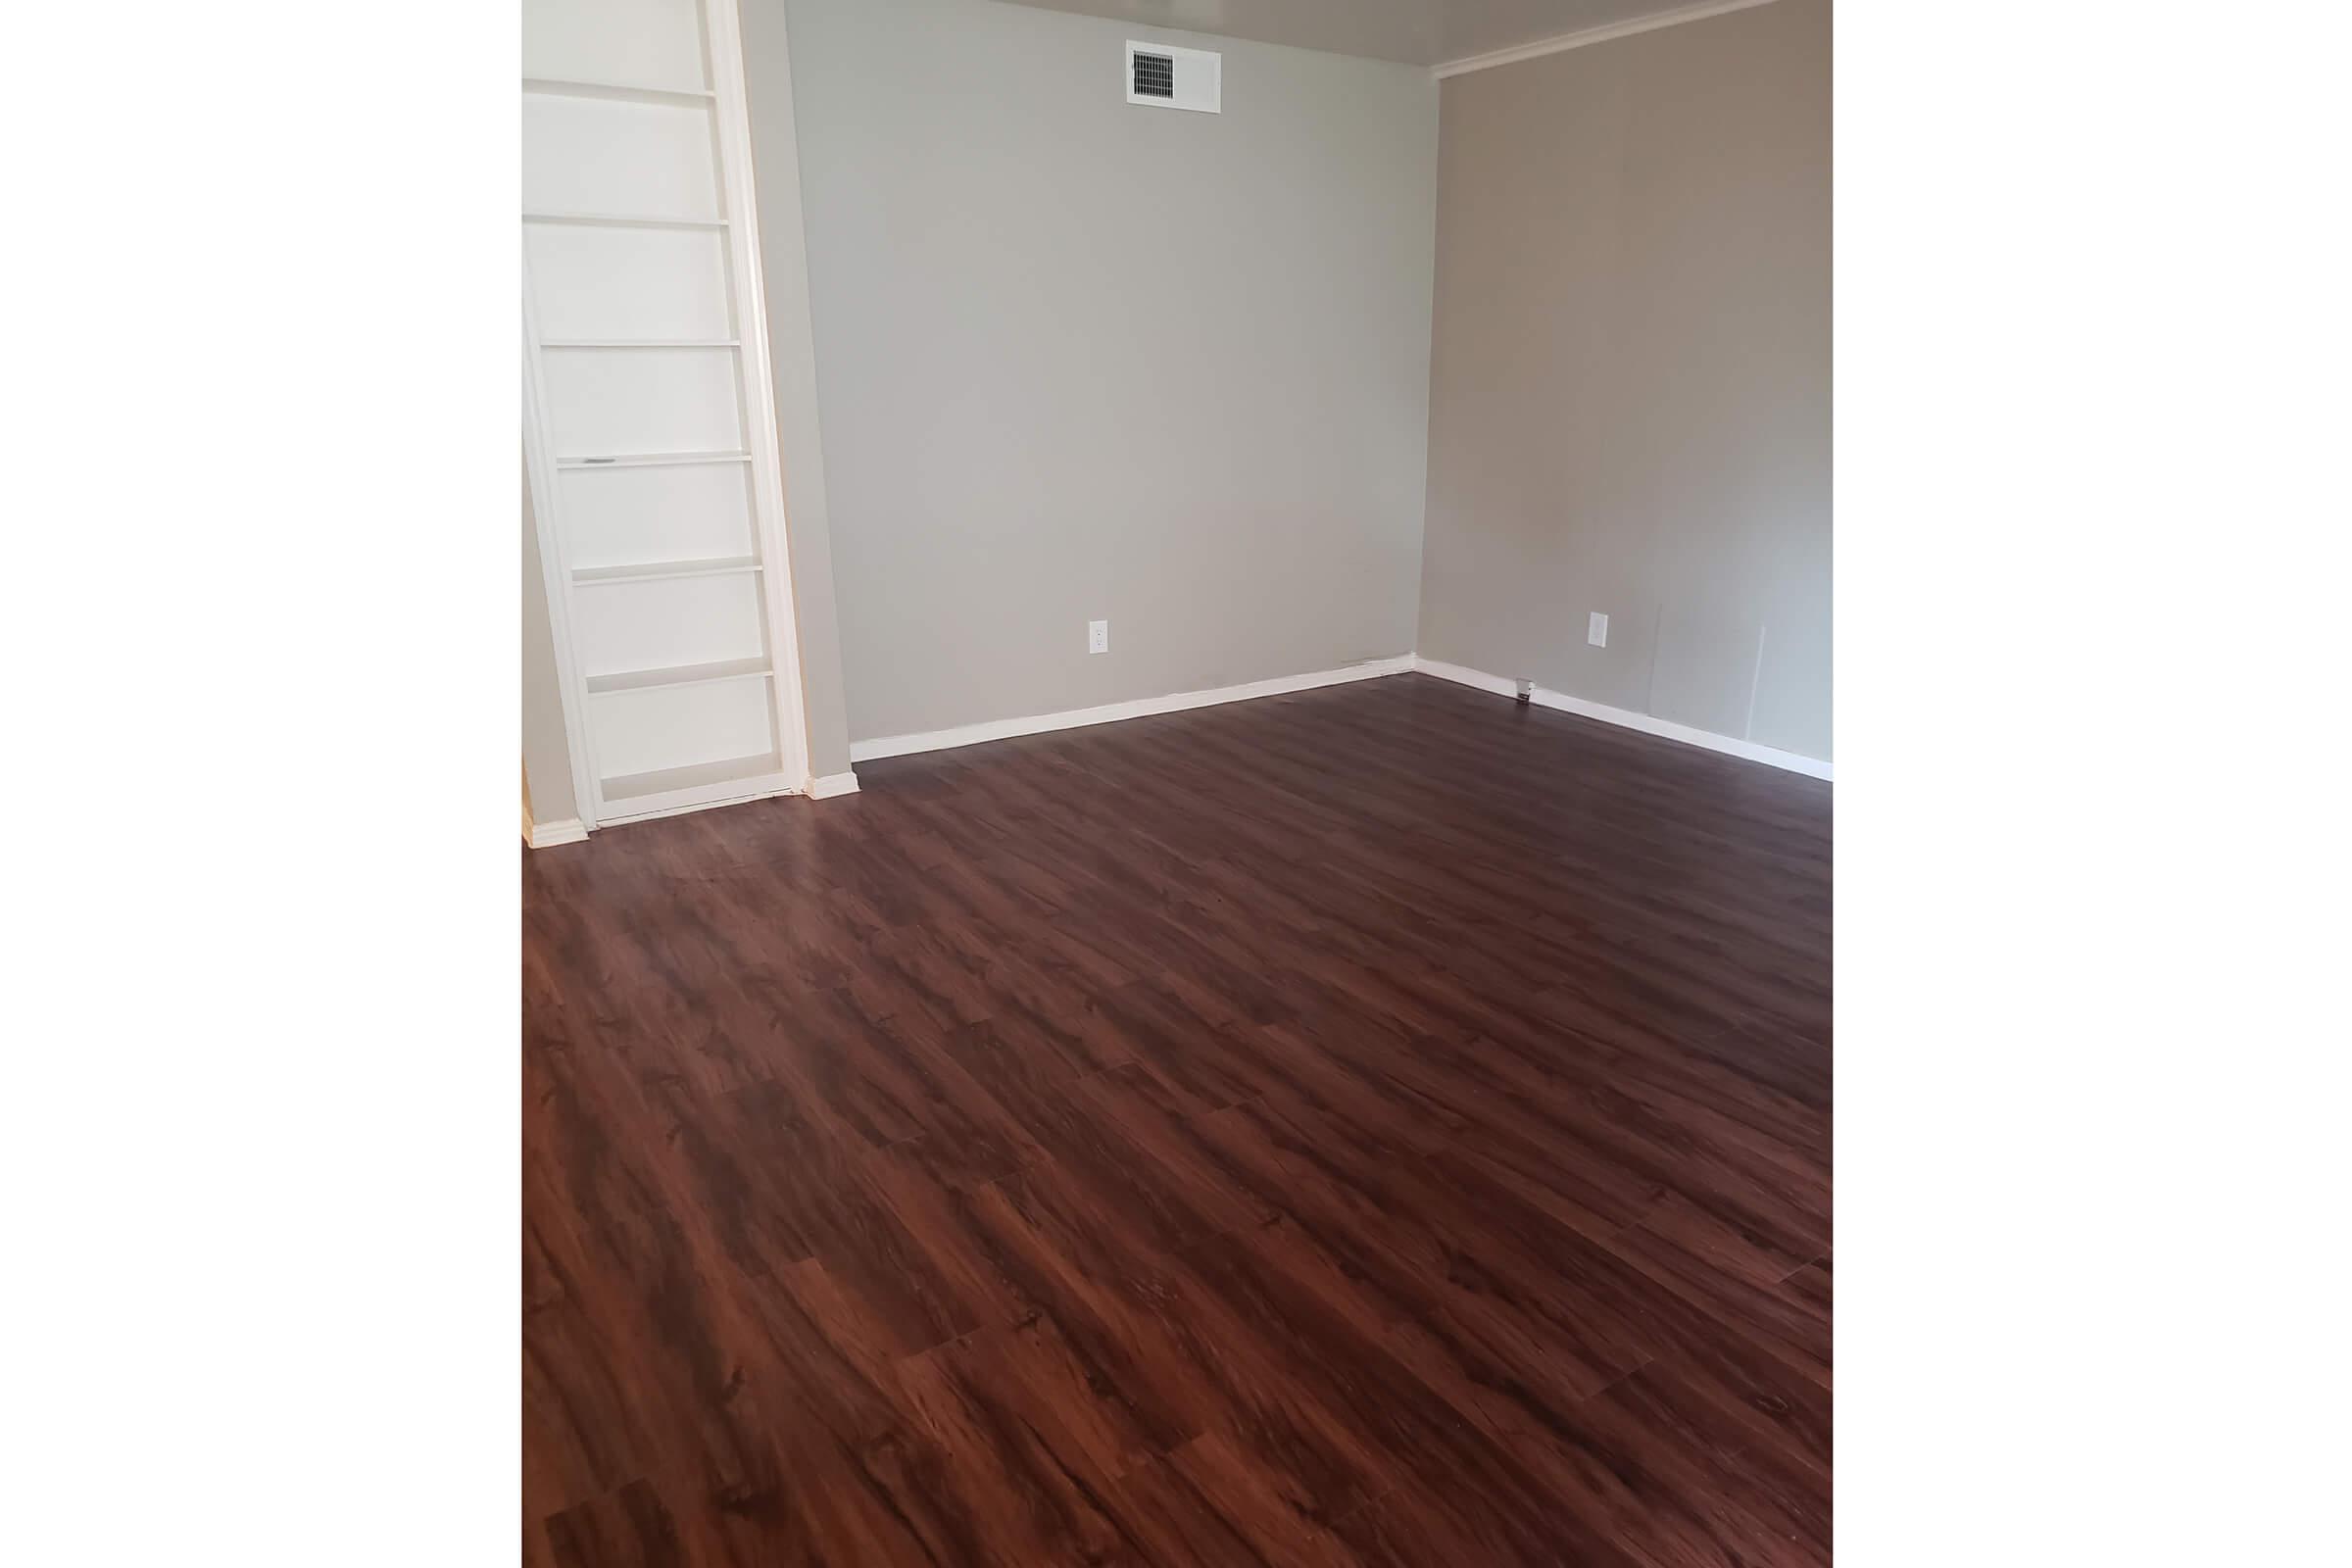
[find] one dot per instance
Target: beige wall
(1083, 360)
(1630, 398)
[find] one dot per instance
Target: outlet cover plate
(1597, 630)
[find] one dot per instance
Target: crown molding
(1601, 35)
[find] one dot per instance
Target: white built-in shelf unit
(649, 439)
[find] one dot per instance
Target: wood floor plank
(1028, 1487)
(1208, 1504)
(1688, 1260)
(1370, 1126)
(629, 1527)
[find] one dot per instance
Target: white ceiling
(1420, 33)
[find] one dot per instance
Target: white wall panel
(679, 726)
(629, 283)
(632, 516)
(607, 401)
(594, 155)
(644, 43)
(627, 626)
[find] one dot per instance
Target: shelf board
(618, 92)
(637, 681)
(658, 571)
(640, 343)
(624, 220)
(632, 786)
(651, 459)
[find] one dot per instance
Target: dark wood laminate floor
(1378, 1125)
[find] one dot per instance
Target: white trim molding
(940, 740)
(1627, 718)
(697, 798)
(830, 785)
(1110, 712)
(1601, 35)
(546, 835)
(722, 22)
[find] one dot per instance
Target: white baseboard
(1110, 712)
(563, 830)
(1005, 728)
(700, 797)
(830, 785)
(1627, 718)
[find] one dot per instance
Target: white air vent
(1168, 77)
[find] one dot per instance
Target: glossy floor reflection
(1378, 1125)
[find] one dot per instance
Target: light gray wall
(1083, 360)
(545, 756)
(1629, 400)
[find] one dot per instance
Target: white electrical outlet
(1597, 631)
(1098, 636)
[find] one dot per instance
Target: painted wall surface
(546, 757)
(1630, 396)
(1082, 360)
